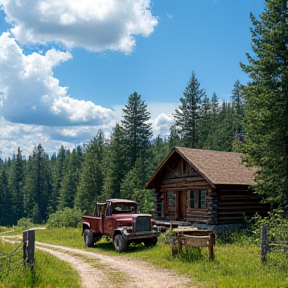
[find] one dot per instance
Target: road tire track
(134, 273)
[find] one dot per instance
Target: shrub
(277, 230)
(25, 223)
(66, 218)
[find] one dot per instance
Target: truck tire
(88, 238)
(120, 243)
(150, 242)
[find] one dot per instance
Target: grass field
(235, 265)
(47, 272)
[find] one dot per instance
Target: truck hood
(128, 216)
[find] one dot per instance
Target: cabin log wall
(235, 201)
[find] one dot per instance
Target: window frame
(198, 199)
(171, 201)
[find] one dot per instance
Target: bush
(277, 230)
(66, 218)
(25, 223)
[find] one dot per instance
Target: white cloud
(161, 117)
(30, 94)
(94, 25)
(14, 135)
(33, 107)
(162, 124)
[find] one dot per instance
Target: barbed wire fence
(11, 262)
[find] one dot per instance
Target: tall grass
(47, 272)
(235, 265)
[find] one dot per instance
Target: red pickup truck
(118, 219)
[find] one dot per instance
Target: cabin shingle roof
(217, 167)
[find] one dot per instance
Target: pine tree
(136, 128)
(214, 124)
(133, 186)
(188, 113)
(114, 164)
(174, 139)
(90, 186)
(57, 176)
(214, 109)
(224, 133)
(5, 199)
(205, 122)
(158, 151)
(221, 133)
(266, 108)
(16, 186)
(238, 105)
(71, 178)
(38, 185)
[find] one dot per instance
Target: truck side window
(108, 210)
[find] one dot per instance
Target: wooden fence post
(211, 245)
(264, 242)
(28, 247)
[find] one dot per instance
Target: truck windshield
(124, 208)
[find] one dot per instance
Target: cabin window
(198, 199)
(203, 200)
(171, 201)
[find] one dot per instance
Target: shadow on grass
(107, 246)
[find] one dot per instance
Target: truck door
(108, 221)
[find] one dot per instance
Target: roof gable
(217, 167)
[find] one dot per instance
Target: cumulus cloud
(31, 98)
(14, 135)
(162, 124)
(94, 25)
(30, 94)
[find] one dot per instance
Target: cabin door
(180, 205)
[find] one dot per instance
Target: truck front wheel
(88, 238)
(120, 243)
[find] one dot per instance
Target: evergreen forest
(254, 121)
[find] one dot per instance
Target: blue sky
(67, 67)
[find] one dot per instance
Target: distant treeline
(117, 167)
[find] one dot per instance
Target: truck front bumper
(141, 235)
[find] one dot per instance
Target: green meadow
(237, 264)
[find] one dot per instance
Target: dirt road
(99, 270)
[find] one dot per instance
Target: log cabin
(205, 187)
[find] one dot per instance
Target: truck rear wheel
(120, 243)
(88, 238)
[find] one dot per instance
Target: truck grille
(142, 223)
